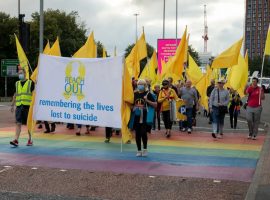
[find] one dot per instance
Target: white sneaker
(249, 137)
(139, 154)
(189, 130)
(144, 153)
(219, 136)
(254, 138)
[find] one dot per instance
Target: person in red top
(254, 107)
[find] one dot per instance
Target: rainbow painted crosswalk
(196, 155)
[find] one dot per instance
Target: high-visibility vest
(23, 94)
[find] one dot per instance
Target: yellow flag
(45, 51)
(193, 71)
(267, 43)
(138, 52)
(22, 58)
(229, 57)
(175, 66)
(88, 50)
(104, 53)
(127, 100)
(202, 85)
(244, 78)
(236, 73)
(55, 49)
(149, 71)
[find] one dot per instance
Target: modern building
(256, 25)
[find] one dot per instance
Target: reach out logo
(74, 85)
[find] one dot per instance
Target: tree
(8, 27)
(255, 64)
(71, 33)
(194, 54)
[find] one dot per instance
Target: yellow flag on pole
(55, 49)
(267, 43)
(149, 71)
(175, 65)
(88, 50)
(193, 71)
(229, 57)
(22, 58)
(127, 100)
(104, 53)
(244, 78)
(138, 52)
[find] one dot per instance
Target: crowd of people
(153, 102)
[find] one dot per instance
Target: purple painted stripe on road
(122, 166)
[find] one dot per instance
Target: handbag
(222, 109)
(150, 111)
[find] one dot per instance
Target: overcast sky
(113, 21)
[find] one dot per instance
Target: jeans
(189, 114)
(218, 120)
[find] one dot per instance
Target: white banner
(79, 90)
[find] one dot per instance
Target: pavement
(65, 166)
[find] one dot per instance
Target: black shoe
(47, 131)
(214, 135)
(117, 132)
(40, 126)
(92, 128)
(78, 133)
(52, 127)
(209, 122)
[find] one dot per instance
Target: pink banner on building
(166, 49)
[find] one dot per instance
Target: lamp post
(41, 27)
(163, 33)
(136, 34)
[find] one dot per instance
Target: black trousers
(141, 135)
(166, 119)
(108, 132)
(47, 126)
(233, 117)
(156, 118)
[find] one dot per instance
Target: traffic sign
(9, 67)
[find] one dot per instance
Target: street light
(136, 34)
(41, 27)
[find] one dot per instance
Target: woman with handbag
(142, 100)
(218, 105)
(254, 107)
(166, 95)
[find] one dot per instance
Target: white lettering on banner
(80, 91)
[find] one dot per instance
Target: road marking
(6, 169)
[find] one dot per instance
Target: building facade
(256, 26)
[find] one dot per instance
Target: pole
(5, 86)
(176, 16)
(41, 27)
(163, 35)
(19, 8)
(136, 34)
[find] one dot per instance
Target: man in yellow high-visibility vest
(22, 99)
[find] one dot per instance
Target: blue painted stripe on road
(165, 158)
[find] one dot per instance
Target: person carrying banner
(22, 99)
(143, 99)
(166, 95)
